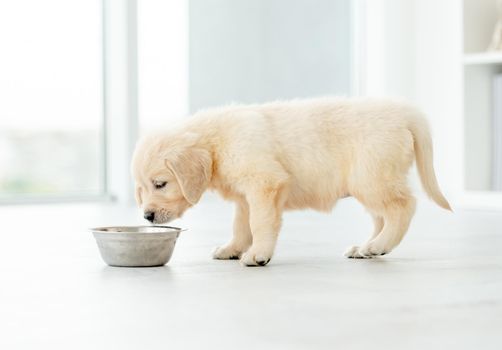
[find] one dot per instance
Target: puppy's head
(171, 173)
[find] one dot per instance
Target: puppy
(290, 155)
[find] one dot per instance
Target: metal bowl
(135, 246)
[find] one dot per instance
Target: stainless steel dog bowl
(136, 245)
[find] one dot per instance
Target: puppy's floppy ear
(137, 195)
(193, 169)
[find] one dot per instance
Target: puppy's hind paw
(353, 253)
(372, 249)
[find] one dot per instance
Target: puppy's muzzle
(150, 216)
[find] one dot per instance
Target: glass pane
(51, 112)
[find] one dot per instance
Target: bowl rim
(104, 229)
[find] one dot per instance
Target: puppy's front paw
(255, 257)
(226, 252)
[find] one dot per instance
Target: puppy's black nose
(149, 215)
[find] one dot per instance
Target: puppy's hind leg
(241, 239)
(378, 223)
(397, 220)
(396, 206)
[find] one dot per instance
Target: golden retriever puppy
(290, 155)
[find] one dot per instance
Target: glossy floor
(442, 288)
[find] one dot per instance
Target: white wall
(259, 50)
(162, 62)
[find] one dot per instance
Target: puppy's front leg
(265, 222)
(241, 239)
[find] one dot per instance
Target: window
(51, 110)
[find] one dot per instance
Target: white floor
(442, 288)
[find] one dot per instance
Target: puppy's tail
(422, 143)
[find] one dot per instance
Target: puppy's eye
(159, 184)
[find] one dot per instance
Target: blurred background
(80, 80)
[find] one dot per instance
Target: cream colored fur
(291, 155)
